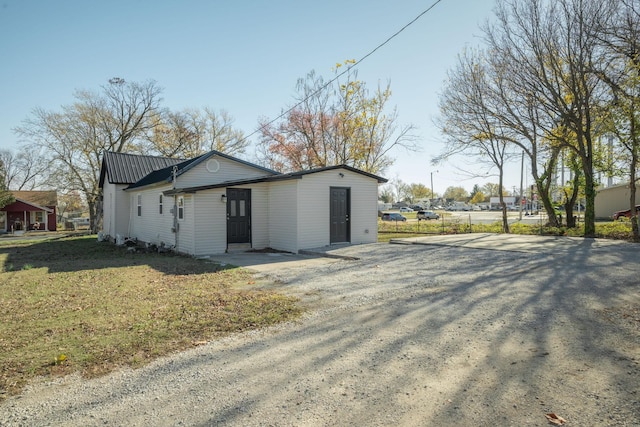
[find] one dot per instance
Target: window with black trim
(180, 207)
(160, 204)
(139, 204)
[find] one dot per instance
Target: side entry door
(339, 213)
(238, 215)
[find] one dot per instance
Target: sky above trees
(243, 57)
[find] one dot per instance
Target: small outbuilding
(216, 202)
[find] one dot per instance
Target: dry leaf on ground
(555, 419)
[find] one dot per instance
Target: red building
(32, 210)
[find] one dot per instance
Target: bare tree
(5, 196)
(26, 170)
(220, 134)
(191, 132)
(468, 118)
(173, 135)
(77, 136)
(339, 122)
(550, 50)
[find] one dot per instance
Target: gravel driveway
(408, 335)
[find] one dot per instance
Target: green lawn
(390, 229)
(76, 305)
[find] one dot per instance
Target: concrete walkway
(518, 242)
(274, 262)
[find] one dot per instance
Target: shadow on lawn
(86, 253)
(489, 337)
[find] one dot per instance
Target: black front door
(238, 215)
(339, 212)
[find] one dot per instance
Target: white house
(216, 202)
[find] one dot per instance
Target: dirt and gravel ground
(406, 335)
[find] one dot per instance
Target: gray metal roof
(165, 174)
(273, 178)
(123, 168)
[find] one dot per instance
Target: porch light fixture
(341, 175)
(223, 198)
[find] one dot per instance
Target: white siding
(186, 235)
(151, 226)
(108, 209)
(313, 202)
(260, 216)
(364, 208)
(283, 215)
(210, 218)
(286, 215)
(115, 210)
(228, 171)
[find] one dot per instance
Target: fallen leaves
(555, 419)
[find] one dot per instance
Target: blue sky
(238, 55)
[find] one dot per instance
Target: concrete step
(238, 247)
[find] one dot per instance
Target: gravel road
(405, 335)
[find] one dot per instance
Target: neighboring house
(611, 199)
(217, 202)
(32, 210)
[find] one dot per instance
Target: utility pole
(433, 195)
(521, 175)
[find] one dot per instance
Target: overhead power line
(348, 68)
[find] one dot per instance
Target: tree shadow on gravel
(418, 336)
(490, 338)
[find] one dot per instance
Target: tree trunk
(590, 195)
(505, 221)
(92, 216)
(635, 219)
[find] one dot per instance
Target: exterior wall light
(223, 198)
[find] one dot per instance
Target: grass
(76, 305)
(387, 230)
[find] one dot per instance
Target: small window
(139, 204)
(160, 204)
(180, 207)
(38, 216)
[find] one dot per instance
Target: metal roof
(273, 178)
(123, 168)
(165, 174)
(139, 170)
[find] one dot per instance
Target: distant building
(494, 202)
(32, 210)
(611, 199)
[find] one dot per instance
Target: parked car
(393, 216)
(405, 209)
(625, 214)
(427, 215)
